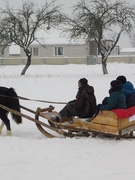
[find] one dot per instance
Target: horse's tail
(14, 104)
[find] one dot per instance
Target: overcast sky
(67, 6)
(66, 3)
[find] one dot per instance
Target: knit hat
(122, 79)
(83, 81)
(115, 83)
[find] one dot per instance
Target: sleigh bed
(118, 123)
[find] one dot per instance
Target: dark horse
(9, 98)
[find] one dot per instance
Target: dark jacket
(129, 92)
(116, 100)
(85, 102)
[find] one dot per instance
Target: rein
(27, 99)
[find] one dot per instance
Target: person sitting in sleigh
(84, 106)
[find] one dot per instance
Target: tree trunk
(104, 65)
(27, 65)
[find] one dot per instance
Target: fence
(89, 60)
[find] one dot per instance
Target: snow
(28, 155)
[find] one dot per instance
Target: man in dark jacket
(84, 106)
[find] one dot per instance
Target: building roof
(126, 50)
(54, 36)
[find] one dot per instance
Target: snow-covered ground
(28, 155)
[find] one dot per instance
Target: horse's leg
(1, 127)
(6, 122)
(9, 133)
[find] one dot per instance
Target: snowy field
(28, 155)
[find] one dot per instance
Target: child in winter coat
(128, 89)
(117, 99)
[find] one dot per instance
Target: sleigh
(118, 123)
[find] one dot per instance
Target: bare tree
(3, 44)
(21, 25)
(132, 38)
(97, 20)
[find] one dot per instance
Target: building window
(59, 51)
(35, 51)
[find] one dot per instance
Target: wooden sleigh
(116, 123)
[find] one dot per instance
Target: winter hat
(83, 81)
(122, 79)
(115, 83)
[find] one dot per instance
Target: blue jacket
(129, 92)
(128, 88)
(116, 100)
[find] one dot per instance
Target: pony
(9, 98)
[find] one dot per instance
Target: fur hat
(83, 81)
(115, 83)
(122, 79)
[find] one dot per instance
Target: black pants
(68, 111)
